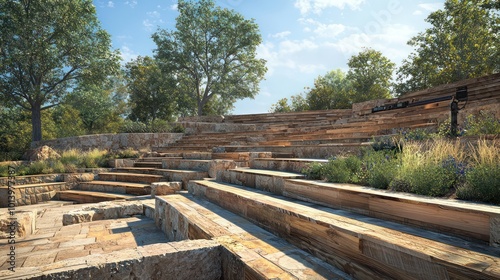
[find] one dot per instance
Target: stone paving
(52, 242)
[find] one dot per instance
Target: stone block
(219, 165)
(78, 177)
(76, 217)
(164, 188)
(495, 231)
(121, 162)
(23, 225)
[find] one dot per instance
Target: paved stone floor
(52, 242)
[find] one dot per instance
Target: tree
(214, 49)
(94, 105)
(332, 91)
(297, 104)
(152, 94)
(370, 74)
(49, 47)
(462, 43)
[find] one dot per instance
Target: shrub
(127, 153)
(482, 123)
(345, 170)
(314, 171)
(385, 143)
(482, 181)
(72, 156)
(381, 169)
(156, 126)
(432, 167)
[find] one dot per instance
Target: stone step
(255, 252)
(130, 177)
(156, 159)
(323, 151)
(284, 164)
(152, 164)
(267, 180)
(364, 247)
(29, 194)
(184, 176)
(116, 187)
(186, 164)
(479, 222)
(82, 196)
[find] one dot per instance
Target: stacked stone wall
(137, 141)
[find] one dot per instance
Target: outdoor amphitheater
(227, 199)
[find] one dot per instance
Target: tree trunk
(36, 123)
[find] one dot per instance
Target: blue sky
(302, 39)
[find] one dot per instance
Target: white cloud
(174, 7)
(280, 35)
(417, 12)
(316, 6)
(390, 40)
(148, 25)
(111, 4)
(127, 54)
(289, 46)
(153, 14)
(131, 3)
(431, 7)
(324, 30)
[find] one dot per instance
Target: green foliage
(332, 91)
(433, 167)
(315, 171)
(127, 153)
(211, 53)
(481, 124)
(381, 168)
(345, 170)
(370, 74)
(461, 43)
(297, 104)
(152, 94)
(385, 143)
(48, 47)
(482, 184)
(157, 126)
(368, 78)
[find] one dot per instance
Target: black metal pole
(454, 117)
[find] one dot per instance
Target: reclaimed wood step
(256, 253)
(470, 220)
(364, 247)
(268, 180)
(296, 165)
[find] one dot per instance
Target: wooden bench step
(364, 247)
(469, 220)
(254, 252)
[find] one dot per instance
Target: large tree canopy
(463, 42)
(331, 91)
(152, 95)
(47, 48)
(213, 50)
(370, 74)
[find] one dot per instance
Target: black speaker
(461, 94)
